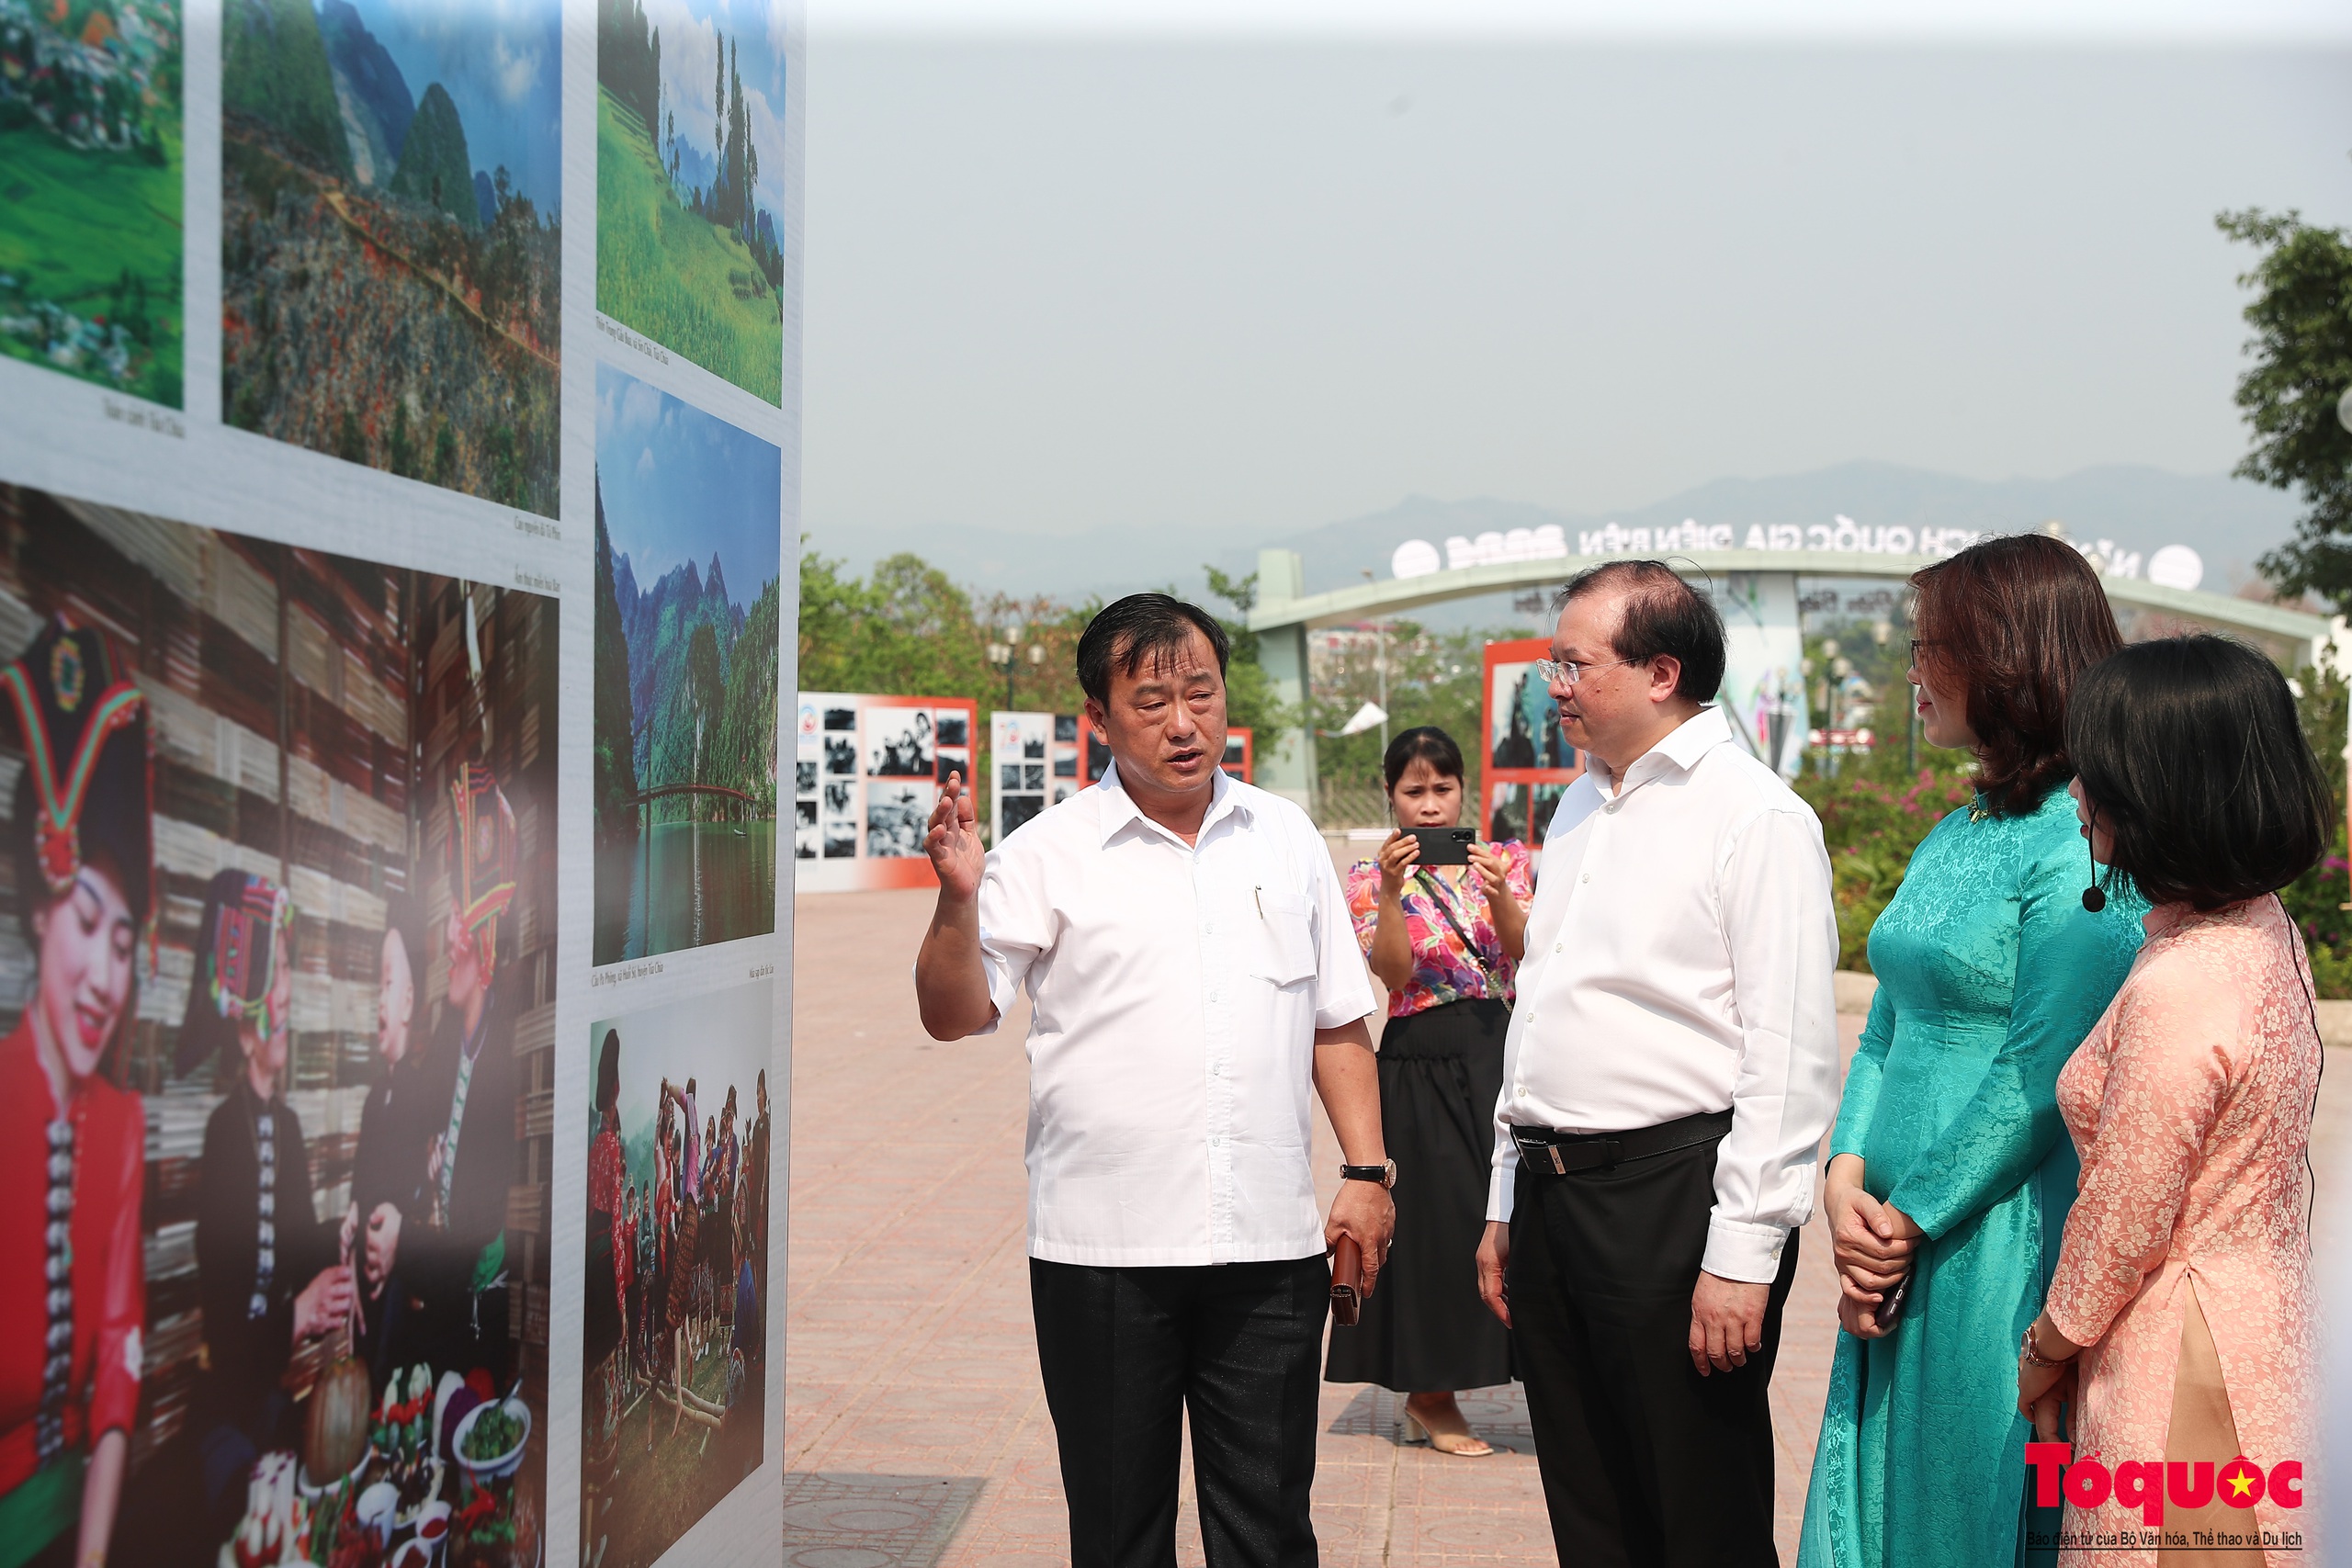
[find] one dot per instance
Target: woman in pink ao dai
(2181, 1322)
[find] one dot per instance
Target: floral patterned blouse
(1443, 969)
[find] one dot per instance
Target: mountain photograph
(391, 238)
(91, 174)
(689, 608)
(688, 246)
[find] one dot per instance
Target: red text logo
(2146, 1484)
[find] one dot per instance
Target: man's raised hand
(954, 841)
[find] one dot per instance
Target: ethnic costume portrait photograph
(278, 947)
(72, 1293)
(674, 1315)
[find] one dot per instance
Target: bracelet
(2032, 1357)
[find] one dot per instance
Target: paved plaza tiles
(915, 1429)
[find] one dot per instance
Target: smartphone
(1890, 1310)
(1445, 846)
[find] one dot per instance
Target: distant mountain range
(414, 148)
(645, 731)
(658, 623)
(2228, 522)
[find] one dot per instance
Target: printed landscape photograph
(314, 799)
(391, 236)
(91, 179)
(689, 236)
(689, 572)
(674, 1373)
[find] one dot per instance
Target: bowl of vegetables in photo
(490, 1438)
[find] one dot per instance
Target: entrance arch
(1284, 613)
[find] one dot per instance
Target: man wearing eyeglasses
(1670, 1072)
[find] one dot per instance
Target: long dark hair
(2009, 625)
(2190, 751)
(608, 1072)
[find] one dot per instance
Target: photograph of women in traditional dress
(277, 915)
(674, 1365)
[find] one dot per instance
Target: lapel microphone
(2094, 897)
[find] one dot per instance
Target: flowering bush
(1873, 815)
(1872, 823)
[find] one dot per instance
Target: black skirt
(1424, 1328)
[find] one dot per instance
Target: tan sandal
(1461, 1445)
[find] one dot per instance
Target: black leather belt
(1547, 1153)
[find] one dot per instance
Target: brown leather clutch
(1347, 1282)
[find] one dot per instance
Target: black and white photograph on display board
(897, 815)
(841, 798)
(898, 742)
(805, 776)
(1019, 743)
(841, 837)
(383, 918)
(804, 839)
(955, 760)
(841, 754)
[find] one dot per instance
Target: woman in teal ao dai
(1949, 1141)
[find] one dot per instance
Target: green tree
(2302, 350)
(706, 678)
(907, 629)
(612, 773)
(1249, 700)
(1433, 678)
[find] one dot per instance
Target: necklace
(57, 1365)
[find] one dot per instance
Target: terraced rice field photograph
(689, 244)
(91, 177)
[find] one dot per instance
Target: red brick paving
(915, 1429)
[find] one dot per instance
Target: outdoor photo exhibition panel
(868, 773)
(1528, 763)
(399, 453)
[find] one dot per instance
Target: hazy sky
(718, 1038)
(1252, 282)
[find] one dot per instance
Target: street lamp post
(1006, 655)
(1829, 662)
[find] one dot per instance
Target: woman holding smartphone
(1446, 940)
(1950, 1173)
(2182, 1323)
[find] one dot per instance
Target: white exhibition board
(407, 400)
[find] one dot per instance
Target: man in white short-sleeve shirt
(1192, 975)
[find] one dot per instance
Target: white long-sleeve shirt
(1177, 991)
(1678, 960)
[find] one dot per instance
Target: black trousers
(1126, 1354)
(1645, 1462)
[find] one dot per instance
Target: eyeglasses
(1568, 671)
(1919, 642)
